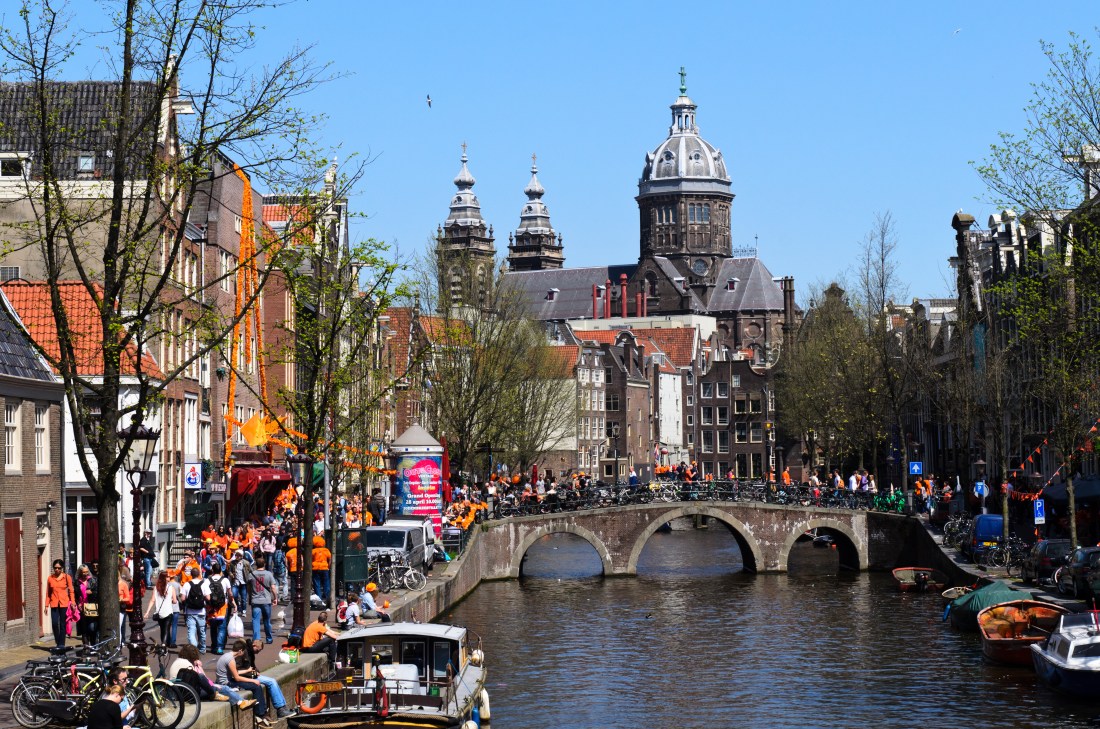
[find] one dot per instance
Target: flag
(254, 431)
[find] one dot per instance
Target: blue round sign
(980, 489)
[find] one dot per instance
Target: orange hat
(234, 545)
(371, 587)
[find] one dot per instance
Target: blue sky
(826, 113)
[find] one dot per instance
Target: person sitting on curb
(318, 638)
(228, 675)
(246, 666)
(188, 669)
(370, 606)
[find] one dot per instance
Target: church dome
(684, 162)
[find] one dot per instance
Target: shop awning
(246, 479)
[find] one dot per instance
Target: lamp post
(300, 466)
(142, 445)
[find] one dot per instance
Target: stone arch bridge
(766, 534)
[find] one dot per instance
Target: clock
(699, 267)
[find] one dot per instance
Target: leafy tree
(123, 237)
(1049, 301)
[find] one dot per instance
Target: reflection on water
(693, 642)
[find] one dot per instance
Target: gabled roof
(564, 358)
(31, 301)
(754, 290)
(18, 357)
(678, 344)
(573, 298)
(86, 120)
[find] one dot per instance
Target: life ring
(483, 704)
(310, 709)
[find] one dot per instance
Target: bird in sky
(429, 101)
(957, 31)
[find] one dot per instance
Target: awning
(246, 479)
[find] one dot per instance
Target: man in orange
(317, 637)
(787, 476)
(321, 558)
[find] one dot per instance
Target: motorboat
(399, 675)
(1069, 660)
(919, 579)
(1008, 629)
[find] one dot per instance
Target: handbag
(235, 627)
(154, 562)
(91, 609)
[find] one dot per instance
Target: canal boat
(954, 593)
(963, 611)
(919, 579)
(1069, 661)
(399, 675)
(1009, 628)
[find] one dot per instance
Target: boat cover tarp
(964, 610)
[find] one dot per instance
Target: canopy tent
(246, 480)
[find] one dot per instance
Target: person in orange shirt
(321, 558)
(59, 596)
(209, 534)
(292, 555)
(786, 476)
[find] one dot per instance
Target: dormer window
(552, 294)
(11, 167)
(731, 284)
(85, 162)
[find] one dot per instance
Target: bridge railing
(601, 496)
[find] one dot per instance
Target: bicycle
(393, 571)
(55, 681)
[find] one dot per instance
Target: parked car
(1084, 562)
(987, 530)
(1045, 557)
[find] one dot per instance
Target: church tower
(684, 197)
(534, 247)
(464, 248)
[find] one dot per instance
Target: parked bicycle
(394, 570)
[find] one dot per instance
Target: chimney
(607, 300)
(638, 304)
(622, 292)
(787, 285)
(595, 303)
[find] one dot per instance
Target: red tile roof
(31, 301)
(678, 344)
(563, 358)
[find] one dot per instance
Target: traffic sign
(916, 468)
(1040, 512)
(980, 489)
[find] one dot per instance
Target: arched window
(651, 283)
(706, 213)
(691, 212)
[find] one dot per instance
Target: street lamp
(300, 466)
(142, 446)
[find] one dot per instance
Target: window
(41, 438)
(608, 470)
(13, 451)
(690, 379)
(740, 406)
(602, 402)
(11, 167)
(7, 273)
(607, 374)
(582, 374)
(707, 417)
(691, 400)
(690, 419)
(723, 441)
(723, 389)
(737, 380)
(613, 402)
(741, 432)
(723, 415)
(756, 432)
(238, 223)
(597, 376)
(754, 404)
(691, 439)
(757, 465)
(708, 441)
(85, 162)
(706, 389)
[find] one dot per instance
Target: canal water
(693, 642)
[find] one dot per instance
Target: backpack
(195, 600)
(217, 594)
(342, 612)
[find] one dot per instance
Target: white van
(424, 522)
(405, 540)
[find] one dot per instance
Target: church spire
(534, 247)
(465, 245)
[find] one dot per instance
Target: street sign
(916, 468)
(1040, 512)
(192, 476)
(216, 487)
(980, 489)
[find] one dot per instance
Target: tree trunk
(1072, 508)
(1004, 497)
(307, 547)
(108, 567)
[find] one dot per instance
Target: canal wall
(901, 542)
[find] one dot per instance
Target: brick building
(30, 482)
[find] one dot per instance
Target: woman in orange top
(59, 596)
(321, 558)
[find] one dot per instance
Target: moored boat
(954, 593)
(963, 611)
(1069, 661)
(919, 579)
(398, 675)
(1009, 628)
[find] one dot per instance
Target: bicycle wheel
(23, 699)
(183, 696)
(415, 580)
(144, 715)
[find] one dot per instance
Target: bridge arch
(833, 525)
(559, 527)
(752, 553)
